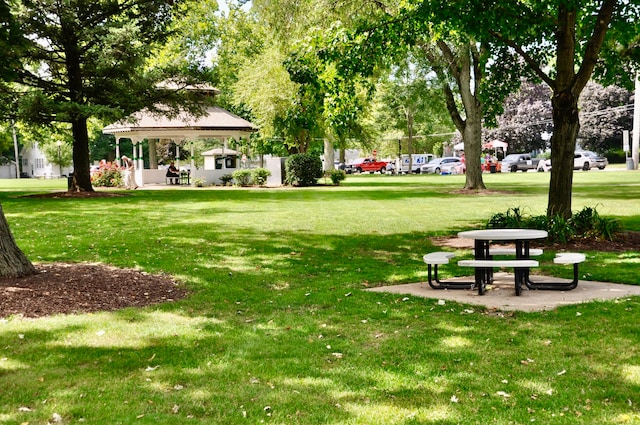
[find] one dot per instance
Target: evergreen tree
(87, 58)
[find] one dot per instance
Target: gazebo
(215, 123)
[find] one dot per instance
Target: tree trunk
(472, 137)
(13, 262)
(463, 66)
(467, 77)
(81, 176)
(81, 181)
(153, 154)
(563, 143)
(564, 104)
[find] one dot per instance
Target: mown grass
(278, 330)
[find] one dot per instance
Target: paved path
(501, 295)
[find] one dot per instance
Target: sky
(222, 5)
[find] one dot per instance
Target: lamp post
(635, 140)
(59, 143)
(15, 148)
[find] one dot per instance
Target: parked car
(520, 162)
(438, 165)
(585, 160)
(362, 165)
(452, 168)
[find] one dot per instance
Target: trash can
(630, 164)
(69, 181)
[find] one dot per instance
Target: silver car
(438, 165)
(595, 160)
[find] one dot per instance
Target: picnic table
(484, 261)
(518, 258)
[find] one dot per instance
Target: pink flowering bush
(107, 175)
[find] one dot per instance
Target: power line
(599, 112)
(582, 115)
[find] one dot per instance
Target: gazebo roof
(215, 123)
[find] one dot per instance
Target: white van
(417, 161)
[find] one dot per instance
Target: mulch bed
(61, 288)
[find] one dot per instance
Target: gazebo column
(225, 147)
(240, 163)
(138, 162)
(118, 152)
(192, 162)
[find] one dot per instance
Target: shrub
(242, 177)
(303, 169)
(107, 176)
(560, 229)
(336, 176)
(199, 182)
(584, 224)
(616, 156)
(511, 219)
(588, 224)
(226, 179)
(260, 176)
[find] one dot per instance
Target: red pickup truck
(371, 165)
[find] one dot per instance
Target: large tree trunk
(566, 90)
(563, 142)
(468, 75)
(565, 116)
(13, 262)
(464, 66)
(472, 137)
(81, 181)
(469, 78)
(81, 176)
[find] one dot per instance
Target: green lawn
(278, 330)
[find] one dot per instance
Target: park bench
(573, 258)
(183, 179)
(433, 260)
(484, 271)
(534, 252)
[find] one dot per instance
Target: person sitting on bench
(173, 174)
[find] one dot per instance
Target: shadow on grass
(277, 330)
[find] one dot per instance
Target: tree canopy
(410, 101)
(526, 119)
(80, 59)
(562, 43)
(605, 111)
